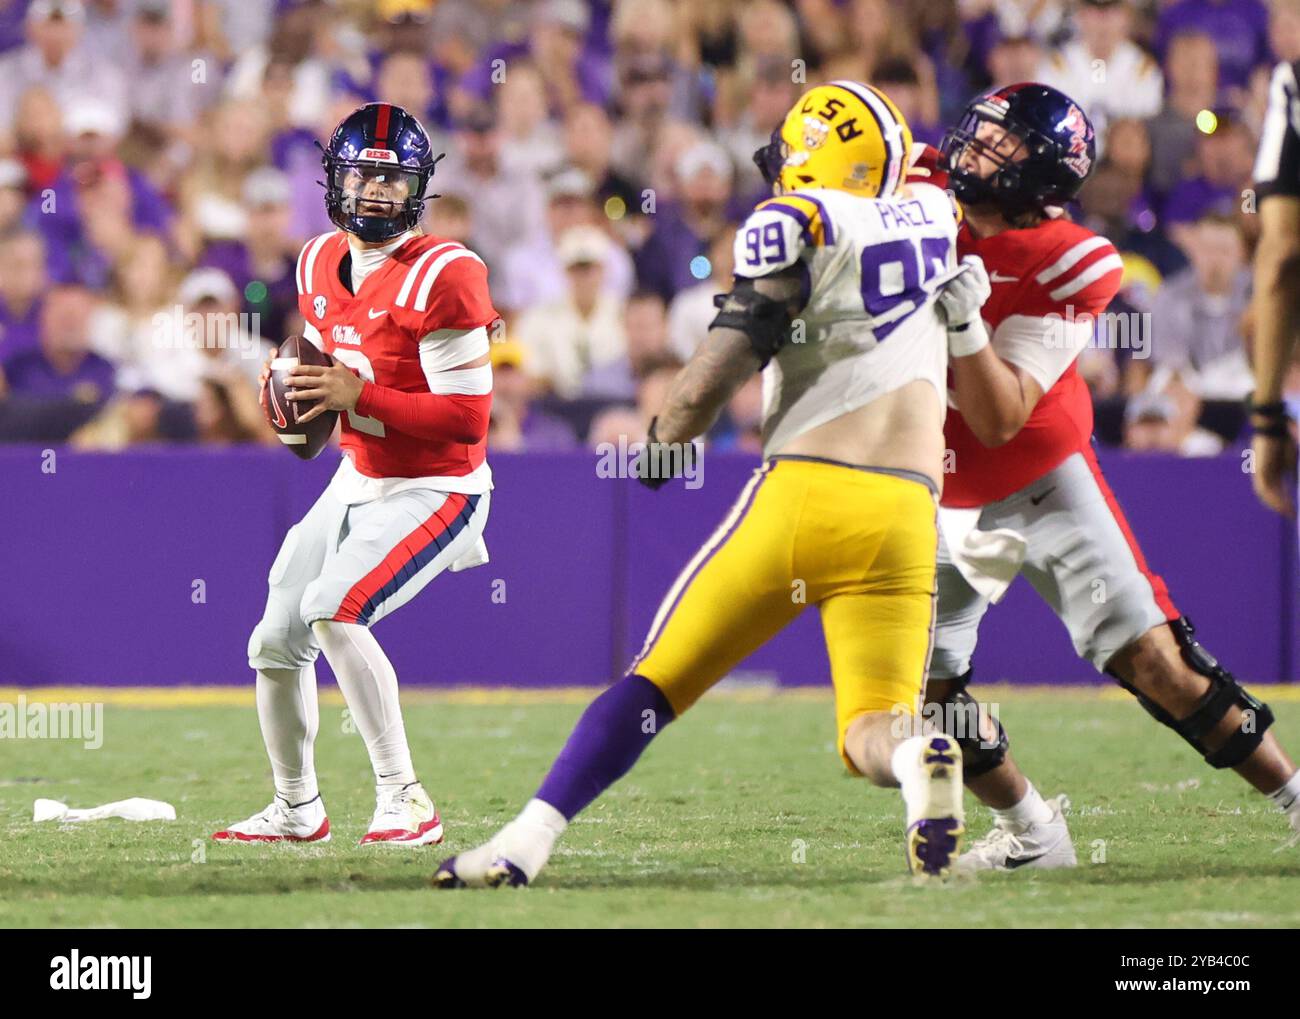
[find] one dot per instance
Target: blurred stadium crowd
(158, 176)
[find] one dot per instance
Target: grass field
(739, 815)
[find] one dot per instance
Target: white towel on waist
(988, 560)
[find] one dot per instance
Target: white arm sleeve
(1044, 347)
(464, 381)
(446, 349)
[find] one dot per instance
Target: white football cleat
(404, 816)
(935, 816)
(281, 822)
(1045, 846)
(510, 859)
(484, 866)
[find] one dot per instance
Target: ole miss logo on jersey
(346, 335)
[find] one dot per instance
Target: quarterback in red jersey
(1025, 493)
(405, 317)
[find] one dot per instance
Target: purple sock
(606, 742)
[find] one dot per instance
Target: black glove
(654, 466)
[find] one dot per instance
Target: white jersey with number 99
(869, 324)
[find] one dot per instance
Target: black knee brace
(1224, 693)
(961, 721)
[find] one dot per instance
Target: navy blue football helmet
(377, 169)
(1049, 154)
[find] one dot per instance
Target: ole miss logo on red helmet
(1077, 124)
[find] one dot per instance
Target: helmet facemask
(1008, 145)
(770, 159)
(375, 201)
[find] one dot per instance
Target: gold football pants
(858, 543)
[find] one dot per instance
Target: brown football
(304, 441)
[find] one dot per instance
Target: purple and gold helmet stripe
(890, 128)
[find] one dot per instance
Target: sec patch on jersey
(305, 441)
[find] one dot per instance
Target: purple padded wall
(100, 559)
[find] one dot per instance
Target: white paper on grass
(137, 808)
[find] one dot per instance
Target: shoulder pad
(777, 232)
(426, 264)
(1082, 269)
(809, 212)
(444, 287)
(305, 273)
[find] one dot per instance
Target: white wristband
(969, 340)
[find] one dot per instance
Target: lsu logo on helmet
(814, 134)
(843, 135)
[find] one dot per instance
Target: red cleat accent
(428, 834)
(234, 836)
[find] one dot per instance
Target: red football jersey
(1045, 280)
(427, 285)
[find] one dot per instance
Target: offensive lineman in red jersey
(405, 317)
(1026, 493)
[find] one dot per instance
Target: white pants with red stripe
(1080, 557)
(357, 563)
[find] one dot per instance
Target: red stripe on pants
(354, 602)
(1158, 586)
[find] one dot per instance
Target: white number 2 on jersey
(358, 361)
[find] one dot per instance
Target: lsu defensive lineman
(844, 502)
